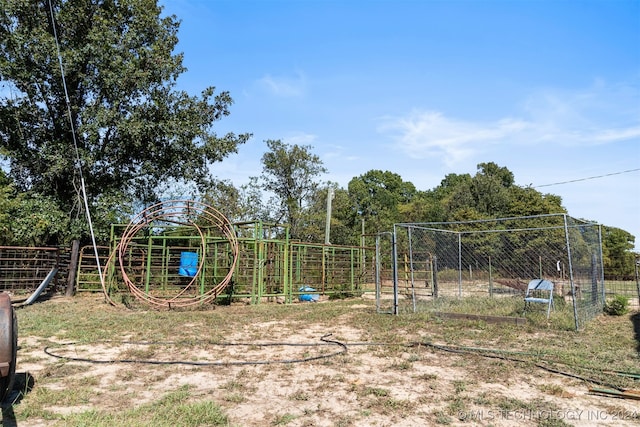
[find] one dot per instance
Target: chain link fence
(494, 260)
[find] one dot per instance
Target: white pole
(327, 227)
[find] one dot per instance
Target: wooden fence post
(73, 268)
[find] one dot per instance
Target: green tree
(378, 196)
(313, 218)
(618, 258)
(343, 230)
(133, 128)
(223, 196)
(529, 201)
(491, 193)
(502, 175)
(346, 226)
(239, 204)
(30, 219)
(489, 189)
(452, 193)
(290, 173)
(450, 183)
(423, 207)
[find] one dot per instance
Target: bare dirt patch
(274, 372)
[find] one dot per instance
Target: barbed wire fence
(495, 259)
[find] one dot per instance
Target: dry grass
(408, 370)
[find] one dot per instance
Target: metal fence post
(394, 264)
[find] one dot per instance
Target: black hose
(489, 353)
(498, 354)
(325, 341)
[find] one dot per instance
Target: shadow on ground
(22, 384)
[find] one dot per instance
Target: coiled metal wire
(183, 213)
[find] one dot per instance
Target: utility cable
(587, 178)
(503, 355)
(75, 144)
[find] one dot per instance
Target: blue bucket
(188, 264)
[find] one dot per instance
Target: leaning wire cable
(540, 361)
(144, 352)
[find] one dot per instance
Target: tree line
(90, 110)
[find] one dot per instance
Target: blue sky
(548, 89)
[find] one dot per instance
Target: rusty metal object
(8, 345)
(623, 394)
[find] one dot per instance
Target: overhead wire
(587, 178)
(157, 211)
(75, 144)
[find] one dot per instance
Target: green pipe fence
(269, 266)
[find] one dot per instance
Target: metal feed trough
(8, 345)
(9, 334)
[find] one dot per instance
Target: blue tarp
(308, 297)
(188, 264)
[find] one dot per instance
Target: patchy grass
(174, 409)
(399, 370)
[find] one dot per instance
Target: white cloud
(601, 114)
(300, 138)
(612, 135)
(431, 134)
(333, 151)
(286, 87)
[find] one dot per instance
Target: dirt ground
(362, 384)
